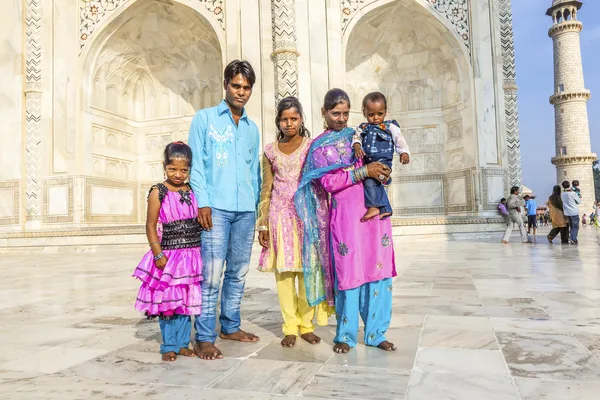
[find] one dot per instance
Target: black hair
(575, 183)
(374, 97)
(286, 104)
(502, 199)
(333, 97)
(177, 150)
(527, 197)
(514, 190)
(566, 185)
(237, 67)
(556, 199)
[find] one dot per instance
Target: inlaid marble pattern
(472, 320)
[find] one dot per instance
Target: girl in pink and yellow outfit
(280, 230)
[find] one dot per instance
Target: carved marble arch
(404, 50)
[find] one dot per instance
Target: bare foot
(341, 348)
(387, 346)
(371, 212)
(240, 336)
(504, 242)
(289, 341)
(169, 356)
(385, 215)
(184, 351)
(207, 351)
(311, 338)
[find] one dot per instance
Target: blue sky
(535, 78)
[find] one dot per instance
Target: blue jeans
(228, 243)
(574, 226)
(175, 333)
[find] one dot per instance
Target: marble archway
(404, 51)
(154, 65)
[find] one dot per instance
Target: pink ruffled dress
(176, 288)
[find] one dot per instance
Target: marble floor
(472, 319)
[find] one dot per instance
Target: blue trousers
(228, 244)
(175, 333)
(373, 301)
(574, 227)
(375, 195)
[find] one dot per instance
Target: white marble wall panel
(58, 200)
(7, 206)
(111, 201)
(418, 194)
(457, 192)
(495, 186)
(250, 35)
(11, 89)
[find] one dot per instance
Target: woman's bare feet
(311, 338)
(184, 351)
(289, 341)
(207, 351)
(240, 336)
(371, 212)
(341, 348)
(387, 346)
(169, 356)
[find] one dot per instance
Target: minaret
(574, 155)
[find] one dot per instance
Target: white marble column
(285, 54)
(33, 113)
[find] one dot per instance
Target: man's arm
(196, 139)
(255, 168)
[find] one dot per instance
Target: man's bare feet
(184, 351)
(240, 336)
(311, 338)
(371, 212)
(341, 348)
(387, 346)
(504, 242)
(207, 351)
(169, 356)
(289, 341)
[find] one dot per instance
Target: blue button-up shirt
(225, 165)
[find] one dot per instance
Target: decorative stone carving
(92, 12)
(285, 55)
(33, 110)
(511, 109)
(455, 11)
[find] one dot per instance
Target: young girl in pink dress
(172, 270)
(280, 230)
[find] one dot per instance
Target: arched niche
(403, 50)
(146, 73)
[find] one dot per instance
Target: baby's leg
(372, 200)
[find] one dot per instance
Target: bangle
(360, 174)
(151, 243)
(159, 256)
(262, 228)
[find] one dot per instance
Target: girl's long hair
(286, 104)
(555, 199)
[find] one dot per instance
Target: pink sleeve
(336, 181)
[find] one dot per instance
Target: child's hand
(161, 262)
(404, 158)
(263, 238)
(358, 151)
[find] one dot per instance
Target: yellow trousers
(297, 314)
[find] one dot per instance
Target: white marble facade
(100, 86)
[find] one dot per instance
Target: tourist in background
(571, 201)
(559, 221)
(514, 204)
(344, 258)
(226, 180)
(597, 214)
(280, 231)
(531, 207)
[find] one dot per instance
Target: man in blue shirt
(225, 178)
(531, 206)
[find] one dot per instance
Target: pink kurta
(362, 251)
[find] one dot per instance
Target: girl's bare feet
(184, 351)
(311, 338)
(371, 212)
(387, 346)
(341, 348)
(169, 356)
(289, 341)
